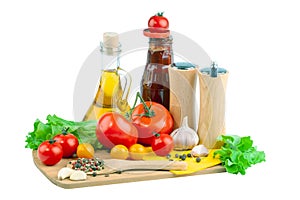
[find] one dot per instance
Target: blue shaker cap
(183, 65)
(214, 70)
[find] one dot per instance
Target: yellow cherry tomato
(137, 152)
(119, 152)
(85, 150)
(149, 149)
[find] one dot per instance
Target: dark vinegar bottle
(155, 81)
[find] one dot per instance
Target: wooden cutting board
(129, 176)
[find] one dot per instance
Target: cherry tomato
(85, 150)
(137, 152)
(119, 152)
(50, 152)
(113, 128)
(68, 141)
(163, 144)
(155, 118)
(158, 21)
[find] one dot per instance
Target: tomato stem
(51, 141)
(148, 111)
(65, 130)
(160, 14)
(156, 134)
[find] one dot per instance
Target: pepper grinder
(213, 83)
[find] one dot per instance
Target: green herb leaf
(238, 153)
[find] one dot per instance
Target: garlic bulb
(184, 137)
(199, 151)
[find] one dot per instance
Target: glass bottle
(110, 96)
(155, 80)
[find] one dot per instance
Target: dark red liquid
(155, 82)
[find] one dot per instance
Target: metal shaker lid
(183, 65)
(214, 70)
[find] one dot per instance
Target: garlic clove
(78, 176)
(64, 172)
(199, 151)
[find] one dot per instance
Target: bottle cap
(156, 33)
(111, 40)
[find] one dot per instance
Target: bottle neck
(109, 56)
(160, 51)
(113, 51)
(161, 43)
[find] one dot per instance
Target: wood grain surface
(51, 172)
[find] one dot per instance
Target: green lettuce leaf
(238, 153)
(84, 131)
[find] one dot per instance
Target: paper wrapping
(212, 108)
(182, 96)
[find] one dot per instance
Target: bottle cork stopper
(111, 39)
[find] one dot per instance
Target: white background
(44, 43)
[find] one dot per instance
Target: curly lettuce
(238, 153)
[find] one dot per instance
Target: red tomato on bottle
(158, 21)
(113, 129)
(162, 145)
(68, 141)
(50, 152)
(156, 120)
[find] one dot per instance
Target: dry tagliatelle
(193, 165)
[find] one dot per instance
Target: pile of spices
(87, 165)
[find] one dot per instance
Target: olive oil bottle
(110, 96)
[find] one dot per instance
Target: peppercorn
(189, 155)
(176, 155)
(183, 157)
(198, 159)
(77, 165)
(168, 156)
(94, 174)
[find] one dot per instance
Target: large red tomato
(68, 141)
(157, 119)
(50, 152)
(113, 129)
